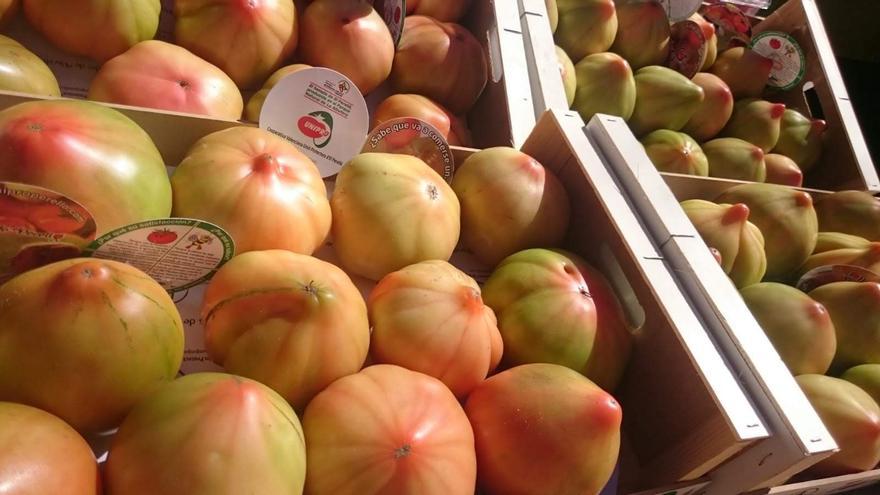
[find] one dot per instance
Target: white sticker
(789, 62)
(195, 356)
(178, 252)
(321, 112)
(414, 137)
(679, 10)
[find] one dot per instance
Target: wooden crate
(798, 437)
(846, 163)
(503, 116)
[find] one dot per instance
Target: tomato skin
(112, 334)
(42, 454)
(21, 70)
(208, 434)
(247, 40)
(100, 29)
(290, 321)
(387, 430)
(430, 317)
(156, 74)
(453, 128)
(543, 428)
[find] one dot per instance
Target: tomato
(427, 43)
(90, 153)
(208, 434)
(388, 430)
(442, 10)
(588, 332)
(453, 128)
(430, 317)
(390, 211)
(291, 321)
(248, 40)
(40, 453)
(8, 9)
(258, 187)
(111, 333)
(22, 71)
(100, 29)
(542, 428)
(155, 74)
(255, 103)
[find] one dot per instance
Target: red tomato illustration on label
(163, 236)
(775, 44)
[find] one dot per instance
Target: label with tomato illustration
(39, 226)
(322, 113)
(393, 12)
(410, 136)
(789, 62)
(178, 252)
(732, 26)
(825, 275)
(687, 48)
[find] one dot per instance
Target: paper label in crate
(179, 253)
(321, 112)
(824, 275)
(393, 12)
(732, 27)
(195, 356)
(679, 10)
(789, 62)
(39, 226)
(409, 136)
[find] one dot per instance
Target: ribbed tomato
(40, 453)
(156, 74)
(86, 339)
(291, 321)
(100, 29)
(452, 127)
(209, 434)
(247, 39)
(389, 431)
(21, 70)
(91, 153)
(430, 317)
(258, 187)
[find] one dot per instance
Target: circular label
(39, 226)
(732, 27)
(410, 136)
(825, 275)
(679, 10)
(789, 62)
(321, 112)
(393, 12)
(687, 48)
(179, 253)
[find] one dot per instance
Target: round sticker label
(321, 112)
(409, 136)
(679, 10)
(732, 27)
(39, 226)
(178, 252)
(789, 62)
(687, 48)
(393, 12)
(824, 275)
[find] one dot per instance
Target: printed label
(409, 136)
(687, 48)
(789, 62)
(679, 10)
(393, 12)
(195, 357)
(39, 226)
(321, 112)
(178, 252)
(825, 275)
(732, 27)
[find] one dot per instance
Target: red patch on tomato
(163, 236)
(312, 127)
